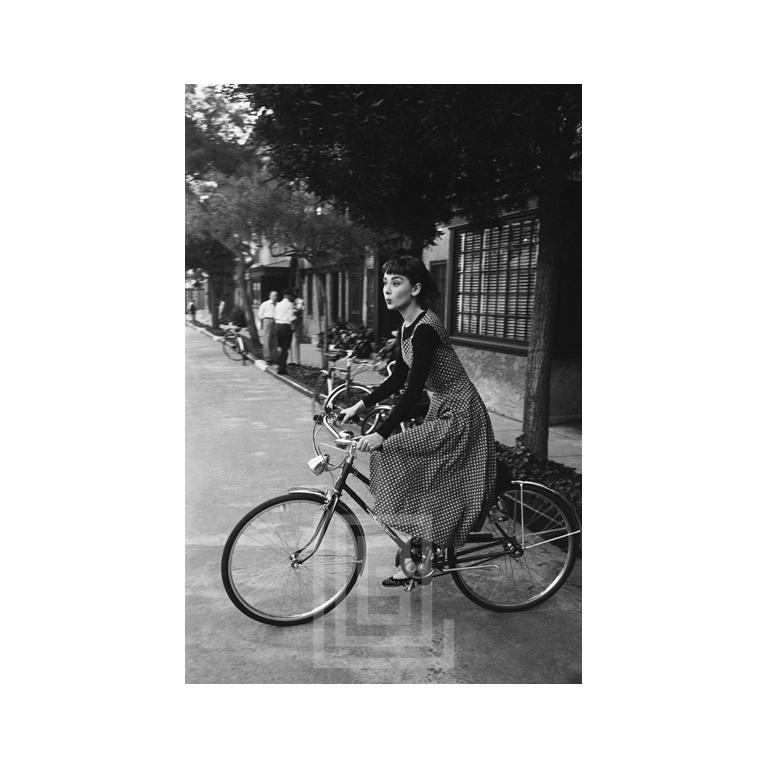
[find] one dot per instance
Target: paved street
(248, 437)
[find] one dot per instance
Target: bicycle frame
(467, 560)
(333, 496)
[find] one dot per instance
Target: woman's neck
(411, 312)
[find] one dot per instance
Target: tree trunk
(324, 313)
(213, 301)
(552, 244)
(247, 306)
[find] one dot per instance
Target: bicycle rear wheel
(231, 347)
(264, 582)
(530, 546)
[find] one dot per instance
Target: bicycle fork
(304, 553)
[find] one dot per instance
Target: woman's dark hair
(416, 272)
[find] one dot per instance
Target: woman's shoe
(396, 581)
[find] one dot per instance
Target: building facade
(486, 277)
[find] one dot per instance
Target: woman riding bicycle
(435, 480)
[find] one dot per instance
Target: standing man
(284, 317)
(191, 308)
(267, 325)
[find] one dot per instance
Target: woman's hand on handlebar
(369, 443)
(350, 413)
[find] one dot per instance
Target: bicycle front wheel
(522, 555)
(263, 580)
(231, 347)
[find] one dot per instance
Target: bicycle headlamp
(319, 464)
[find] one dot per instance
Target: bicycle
(234, 344)
(347, 394)
(327, 395)
(297, 556)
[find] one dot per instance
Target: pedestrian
(436, 479)
(298, 308)
(267, 326)
(284, 318)
(191, 308)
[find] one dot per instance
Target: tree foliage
(235, 198)
(408, 157)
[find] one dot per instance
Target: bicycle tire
(319, 395)
(374, 419)
(342, 396)
(548, 534)
(231, 349)
(271, 544)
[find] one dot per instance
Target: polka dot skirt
(434, 480)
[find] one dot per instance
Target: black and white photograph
(440, 262)
(382, 304)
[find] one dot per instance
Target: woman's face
(398, 291)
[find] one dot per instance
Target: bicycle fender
(317, 490)
(549, 490)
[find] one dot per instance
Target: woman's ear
(416, 289)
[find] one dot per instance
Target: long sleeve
(393, 383)
(425, 343)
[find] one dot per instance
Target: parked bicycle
(295, 557)
(329, 397)
(233, 344)
(328, 394)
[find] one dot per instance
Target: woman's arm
(393, 383)
(425, 343)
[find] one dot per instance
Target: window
(495, 270)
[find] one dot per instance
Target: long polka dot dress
(434, 480)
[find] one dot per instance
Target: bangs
(399, 265)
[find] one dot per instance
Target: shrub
(518, 463)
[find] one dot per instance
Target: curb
(260, 364)
(289, 382)
(203, 331)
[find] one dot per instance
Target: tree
(204, 252)
(217, 126)
(235, 200)
(406, 158)
(318, 234)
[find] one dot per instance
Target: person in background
(285, 315)
(267, 326)
(298, 307)
(191, 308)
